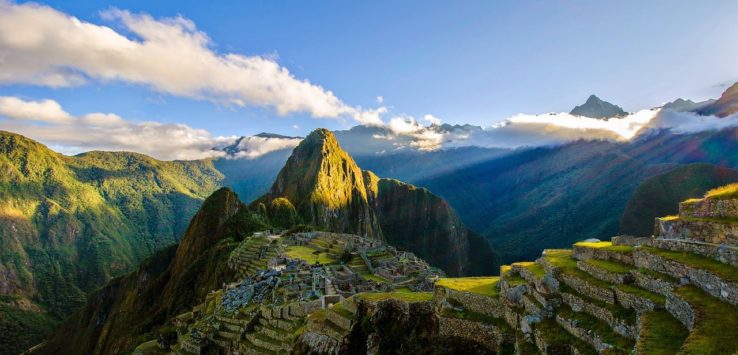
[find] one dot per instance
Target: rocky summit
(595, 107)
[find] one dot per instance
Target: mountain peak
(595, 107)
(725, 106)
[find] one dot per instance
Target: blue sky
(477, 63)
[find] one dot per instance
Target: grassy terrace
(599, 327)
(715, 324)
(637, 291)
(724, 271)
(533, 268)
(562, 259)
(478, 317)
(376, 278)
(308, 254)
(627, 315)
(610, 266)
(661, 334)
(659, 276)
(626, 249)
(554, 334)
(724, 192)
(486, 286)
(403, 296)
(341, 311)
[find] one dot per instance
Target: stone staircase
(334, 321)
(275, 330)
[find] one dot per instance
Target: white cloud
(255, 146)
(44, 110)
(380, 99)
(433, 120)
(42, 46)
(47, 122)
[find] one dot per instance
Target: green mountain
(130, 307)
(660, 195)
(69, 224)
(328, 190)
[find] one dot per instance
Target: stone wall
(476, 303)
(585, 288)
(707, 281)
(605, 275)
(652, 284)
(583, 253)
(681, 310)
(485, 334)
(710, 208)
(577, 304)
(724, 253)
(708, 231)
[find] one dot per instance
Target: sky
(203, 72)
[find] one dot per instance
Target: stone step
(593, 331)
(551, 338)
(711, 322)
(275, 334)
(723, 253)
(623, 321)
(252, 349)
(603, 251)
(716, 278)
(609, 271)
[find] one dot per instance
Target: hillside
(550, 197)
(326, 188)
(660, 195)
(69, 224)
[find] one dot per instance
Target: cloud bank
(42, 46)
(46, 121)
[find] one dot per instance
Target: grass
(723, 192)
(627, 315)
(661, 334)
(659, 276)
(515, 280)
(486, 286)
(714, 326)
(308, 254)
(376, 278)
(625, 249)
(535, 269)
(341, 311)
(609, 266)
(669, 218)
(562, 259)
(403, 296)
(637, 291)
(554, 334)
(597, 326)
(724, 271)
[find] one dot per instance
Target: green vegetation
(486, 286)
(554, 334)
(660, 195)
(625, 249)
(308, 254)
(722, 270)
(22, 329)
(534, 268)
(617, 311)
(610, 266)
(723, 192)
(376, 278)
(602, 329)
(403, 296)
(714, 325)
(637, 291)
(661, 334)
(478, 317)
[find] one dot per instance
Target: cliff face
(330, 191)
(165, 284)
